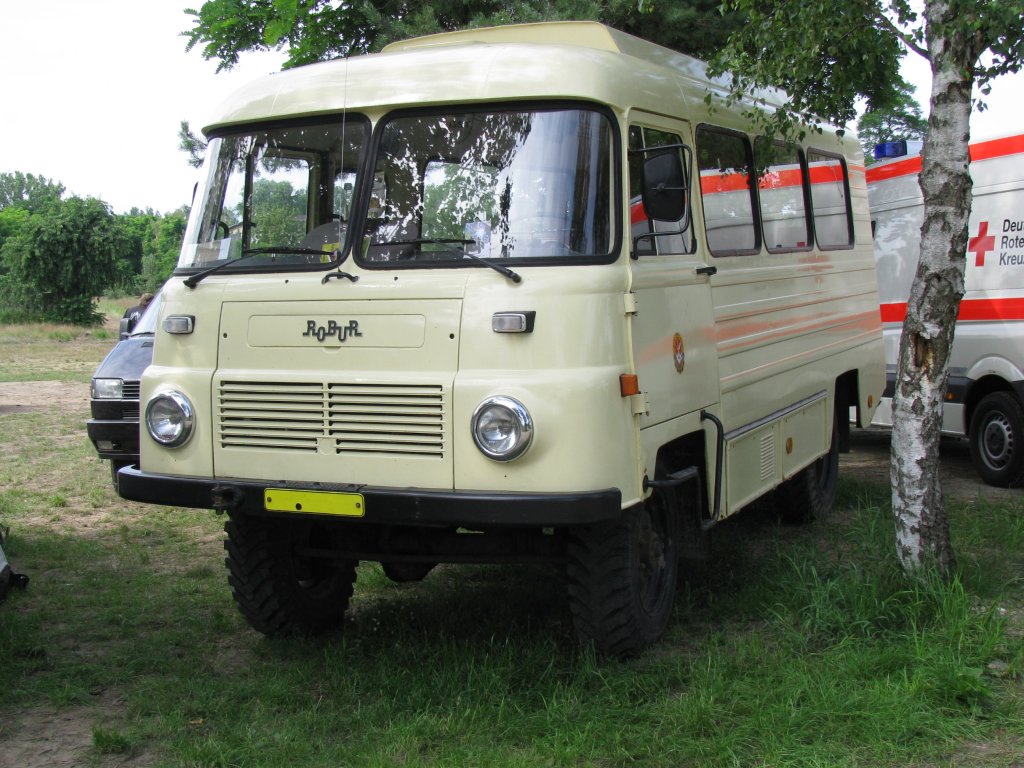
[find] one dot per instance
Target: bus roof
(551, 60)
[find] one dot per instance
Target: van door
(674, 350)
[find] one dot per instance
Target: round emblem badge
(678, 353)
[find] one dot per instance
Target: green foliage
(316, 30)
(28, 191)
(161, 248)
(280, 211)
(826, 54)
(823, 54)
(901, 120)
(62, 257)
(191, 145)
(55, 255)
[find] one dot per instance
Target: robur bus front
(403, 344)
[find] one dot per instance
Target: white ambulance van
(985, 395)
(505, 295)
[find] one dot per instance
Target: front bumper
(120, 439)
(406, 506)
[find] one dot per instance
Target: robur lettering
(324, 332)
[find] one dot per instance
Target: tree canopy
(315, 30)
(28, 192)
(901, 120)
(59, 261)
(57, 254)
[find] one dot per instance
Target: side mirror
(664, 187)
(125, 328)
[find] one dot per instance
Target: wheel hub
(997, 442)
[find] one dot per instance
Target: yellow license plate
(314, 502)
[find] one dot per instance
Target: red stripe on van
(986, 150)
(713, 184)
(970, 310)
(906, 167)
(637, 214)
(983, 150)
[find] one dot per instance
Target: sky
(94, 91)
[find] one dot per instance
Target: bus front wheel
(278, 586)
(622, 576)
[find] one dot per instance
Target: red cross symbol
(981, 244)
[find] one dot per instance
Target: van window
(727, 191)
(504, 185)
(281, 196)
(782, 189)
(678, 235)
(830, 200)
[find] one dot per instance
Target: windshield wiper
(515, 277)
(286, 249)
(248, 253)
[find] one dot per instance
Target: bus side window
(726, 164)
(677, 236)
(830, 200)
(782, 188)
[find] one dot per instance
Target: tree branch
(906, 39)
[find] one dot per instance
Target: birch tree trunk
(922, 528)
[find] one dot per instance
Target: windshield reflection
(282, 196)
(511, 185)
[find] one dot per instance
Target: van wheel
(996, 440)
(622, 576)
(277, 589)
(810, 493)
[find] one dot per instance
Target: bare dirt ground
(26, 396)
(868, 459)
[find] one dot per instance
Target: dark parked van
(114, 426)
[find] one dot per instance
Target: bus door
(674, 350)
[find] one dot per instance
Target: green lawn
(794, 647)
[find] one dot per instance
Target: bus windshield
(528, 186)
(278, 196)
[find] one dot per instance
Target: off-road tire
(622, 577)
(278, 591)
(996, 439)
(811, 492)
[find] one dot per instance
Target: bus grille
(395, 419)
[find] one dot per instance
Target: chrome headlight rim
(520, 417)
(185, 418)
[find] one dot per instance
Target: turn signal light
(629, 384)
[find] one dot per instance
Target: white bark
(922, 530)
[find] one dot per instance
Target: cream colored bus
(505, 295)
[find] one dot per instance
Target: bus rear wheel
(622, 576)
(996, 440)
(278, 587)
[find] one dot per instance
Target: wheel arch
(979, 389)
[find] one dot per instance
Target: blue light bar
(890, 149)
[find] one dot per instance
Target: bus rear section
(985, 394)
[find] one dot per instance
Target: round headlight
(502, 428)
(170, 418)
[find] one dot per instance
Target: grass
(794, 647)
